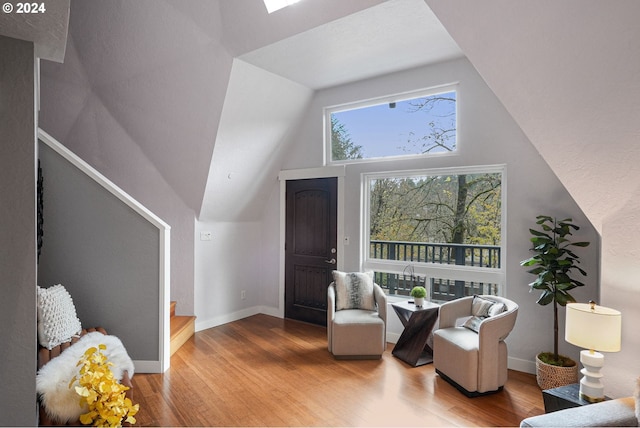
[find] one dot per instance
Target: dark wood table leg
(412, 346)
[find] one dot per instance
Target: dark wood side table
(563, 397)
(418, 322)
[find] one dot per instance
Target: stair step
(172, 309)
(182, 328)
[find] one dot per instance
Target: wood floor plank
(265, 371)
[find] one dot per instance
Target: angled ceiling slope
(392, 36)
(569, 73)
(159, 71)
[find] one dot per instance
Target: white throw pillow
(480, 306)
(354, 290)
(482, 309)
(473, 323)
(57, 319)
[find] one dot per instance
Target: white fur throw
(52, 381)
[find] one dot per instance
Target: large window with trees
(442, 229)
(418, 123)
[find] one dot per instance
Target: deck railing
(424, 252)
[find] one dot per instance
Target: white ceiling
(392, 36)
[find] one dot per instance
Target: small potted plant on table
(418, 293)
(552, 263)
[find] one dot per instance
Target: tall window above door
(415, 124)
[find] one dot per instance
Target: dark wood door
(310, 247)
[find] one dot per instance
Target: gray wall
(104, 253)
(17, 234)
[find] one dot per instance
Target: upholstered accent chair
(468, 347)
(356, 333)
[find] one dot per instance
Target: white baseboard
(226, 318)
(144, 366)
(521, 365)
(392, 337)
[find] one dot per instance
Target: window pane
(409, 127)
(447, 219)
(444, 290)
(439, 290)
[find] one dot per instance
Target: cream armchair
(474, 362)
(357, 333)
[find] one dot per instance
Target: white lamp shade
(593, 327)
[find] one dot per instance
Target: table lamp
(595, 328)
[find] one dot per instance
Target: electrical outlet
(206, 236)
(243, 295)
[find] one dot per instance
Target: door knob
(331, 262)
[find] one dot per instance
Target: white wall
(487, 135)
(224, 266)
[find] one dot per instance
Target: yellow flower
(105, 397)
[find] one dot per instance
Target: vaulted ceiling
(203, 94)
(163, 78)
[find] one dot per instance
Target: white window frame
(328, 111)
(435, 270)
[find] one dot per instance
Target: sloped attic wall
(139, 97)
(569, 73)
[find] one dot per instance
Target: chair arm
(451, 311)
(331, 313)
(492, 332)
(613, 413)
(381, 301)
(496, 328)
(331, 301)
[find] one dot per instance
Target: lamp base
(591, 386)
(591, 399)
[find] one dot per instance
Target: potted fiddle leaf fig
(554, 264)
(418, 293)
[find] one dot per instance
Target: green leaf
(564, 298)
(580, 244)
(545, 298)
(543, 218)
(538, 233)
(528, 262)
(536, 271)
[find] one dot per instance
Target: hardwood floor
(265, 371)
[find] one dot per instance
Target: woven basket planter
(549, 376)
